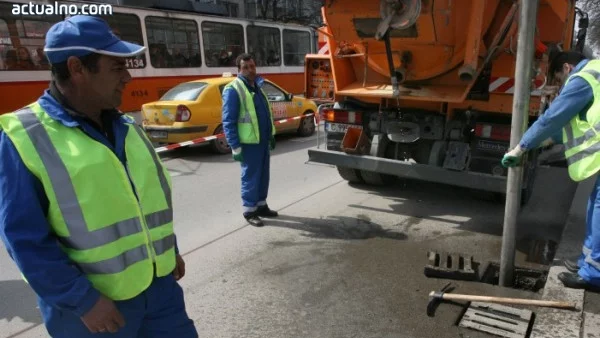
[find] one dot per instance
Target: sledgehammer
(436, 297)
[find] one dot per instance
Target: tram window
(173, 43)
(223, 42)
(22, 39)
(128, 28)
(296, 44)
(264, 43)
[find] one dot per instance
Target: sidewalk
(554, 323)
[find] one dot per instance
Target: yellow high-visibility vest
(248, 132)
(114, 222)
(582, 138)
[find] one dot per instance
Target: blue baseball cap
(83, 34)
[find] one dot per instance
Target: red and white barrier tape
(212, 137)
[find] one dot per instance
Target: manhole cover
(524, 278)
(499, 320)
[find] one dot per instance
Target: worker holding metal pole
(520, 115)
(575, 113)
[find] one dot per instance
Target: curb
(552, 323)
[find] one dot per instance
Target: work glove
(237, 155)
(513, 157)
(273, 143)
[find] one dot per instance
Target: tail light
(183, 114)
(498, 132)
(342, 116)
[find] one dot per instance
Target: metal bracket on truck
(409, 170)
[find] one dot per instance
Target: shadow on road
(476, 211)
(18, 301)
(335, 227)
(539, 224)
(419, 201)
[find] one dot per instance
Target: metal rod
(390, 59)
(366, 64)
(469, 69)
(349, 56)
(499, 38)
(520, 116)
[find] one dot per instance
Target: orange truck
(423, 89)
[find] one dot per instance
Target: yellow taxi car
(193, 109)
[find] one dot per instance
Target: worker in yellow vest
(85, 203)
(249, 129)
(575, 112)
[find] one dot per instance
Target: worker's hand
(237, 155)
(272, 143)
(103, 317)
(513, 157)
(179, 271)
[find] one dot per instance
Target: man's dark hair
(242, 57)
(60, 71)
(572, 58)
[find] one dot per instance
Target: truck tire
(350, 175)
(373, 178)
(438, 153)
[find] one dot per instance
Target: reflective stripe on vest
(80, 238)
(244, 113)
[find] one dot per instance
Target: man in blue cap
(86, 210)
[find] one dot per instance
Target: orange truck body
(454, 60)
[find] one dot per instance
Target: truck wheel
(220, 145)
(307, 125)
(438, 153)
(374, 178)
(350, 175)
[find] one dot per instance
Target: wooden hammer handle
(505, 300)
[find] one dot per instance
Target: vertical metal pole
(318, 133)
(520, 116)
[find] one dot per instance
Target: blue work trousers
(255, 174)
(589, 261)
(158, 312)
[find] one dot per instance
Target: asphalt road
(340, 261)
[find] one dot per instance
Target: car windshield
(184, 92)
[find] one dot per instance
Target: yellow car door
(282, 105)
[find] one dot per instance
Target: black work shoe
(571, 265)
(253, 219)
(264, 211)
(574, 281)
